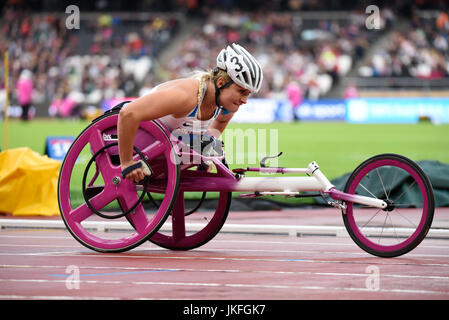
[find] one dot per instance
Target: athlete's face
(232, 97)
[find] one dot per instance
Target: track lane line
(152, 269)
(233, 285)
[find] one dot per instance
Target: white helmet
(241, 66)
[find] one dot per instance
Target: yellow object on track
(28, 183)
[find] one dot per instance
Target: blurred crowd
(106, 58)
(314, 54)
(35, 45)
(420, 52)
(112, 57)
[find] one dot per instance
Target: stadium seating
(420, 51)
(313, 51)
(108, 57)
(115, 55)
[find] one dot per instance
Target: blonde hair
(204, 76)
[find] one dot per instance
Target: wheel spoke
(103, 161)
(392, 183)
(381, 182)
(383, 228)
(393, 227)
(405, 218)
(137, 217)
(99, 201)
(368, 191)
(96, 140)
(366, 223)
(405, 191)
(94, 178)
(81, 213)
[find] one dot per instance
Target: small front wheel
(400, 227)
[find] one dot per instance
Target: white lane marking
(192, 256)
(291, 230)
(233, 285)
(315, 251)
(294, 242)
(336, 274)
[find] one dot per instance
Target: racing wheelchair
(387, 203)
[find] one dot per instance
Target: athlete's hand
(135, 175)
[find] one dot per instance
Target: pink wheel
(404, 223)
(206, 224)
(108, 195)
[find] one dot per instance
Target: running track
(50, 264)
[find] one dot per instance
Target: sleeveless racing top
(191, 123)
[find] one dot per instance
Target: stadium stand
(326, 49)
(419, 51)
(106, 58)
(314, 51)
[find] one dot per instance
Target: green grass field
(337, 147)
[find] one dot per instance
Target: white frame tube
(288, 185)
(316, 182)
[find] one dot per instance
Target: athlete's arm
(167, 100)
(219, 124)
